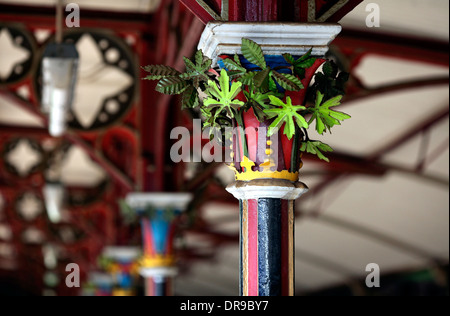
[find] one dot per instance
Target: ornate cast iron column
(159, 213)
(121, 263)
(268, 180)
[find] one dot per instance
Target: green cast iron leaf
(285, 113)
(158, 72)
(253, 53)
(172, 85)
(287, 81)
(324, 116)
(316, 148)
(223, 96)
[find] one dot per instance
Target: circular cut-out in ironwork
(23, 157)
(29, 206)
(67, 234)
(6, 232)
(16, 53)
(33, 236)
(106, 80)
(51, 279)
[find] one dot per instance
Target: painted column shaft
(158, 286)
(158, 212)
(267, 180)
(267, 235)
(267, 247)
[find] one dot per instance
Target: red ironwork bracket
(271, 10)
(200, 11)
(357, 44)
(44, 17)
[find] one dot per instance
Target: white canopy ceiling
(399, 221)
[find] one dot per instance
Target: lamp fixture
(59, 75)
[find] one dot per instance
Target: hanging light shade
(59, 75)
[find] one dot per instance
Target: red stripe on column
(149, 248)
(236, 148)
(302, 10)
(251, 124)
(236, 10)
(240, 153)
(244, 248)
(253, 286)
(149, 287)
(270, 10)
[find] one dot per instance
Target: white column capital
(267, 189)
(158, 272)
(122, 253)
(101, 279)
(275, 38)
(178, 201)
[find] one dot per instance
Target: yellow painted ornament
(267, 173)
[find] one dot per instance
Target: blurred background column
(159, 213)
(121, 263)
(99, 284)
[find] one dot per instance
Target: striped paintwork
(266, 246)
(157, 235)
(159, 286)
